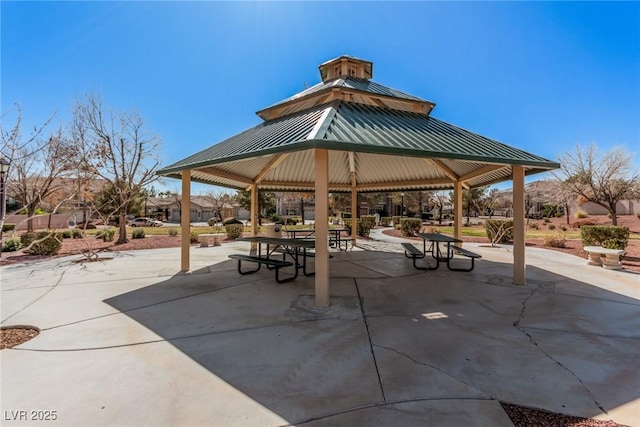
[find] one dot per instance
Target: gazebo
(350, 134)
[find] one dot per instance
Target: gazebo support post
(354, 200)
(185, 221)
(255, 223)
(322, 227)
(519, 268)
(457, 210)
(354, 210)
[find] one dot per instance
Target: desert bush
(578, 224)
(292, 220)
(138, 233)
(212, 222)
(76, 233)
(275, 218)
(499, 231)
(11, 245)
(66, 234)
(396, 221)
(193, 237)
(44, 243)
(534, 226)
(607, 236)
(385, 221)
(27, 238)
(173, 232)
(410, 226)
(547, 220)
(581, 214)
(556, 240)
(551, 227)
(234, 230)
(106, 234)
(563, 228)
(8, 227)
(230, 221)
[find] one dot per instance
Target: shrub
(578, 224)
(76, 233)
(27, 238)
(138, 233)
(563, 228)
(8, 227)
(410, 226)
(581, 215)
(44, 243)
(396, 222)
(607, 236)
(555, 240)
(11, 245)
(193, 237)
(234, 230)
(230, 221)
(106, 234)
(292, 221)
(385, 221)
(547, 220)
(66, 234)
(347, 225)
(365, 224)
(212, 222)
(499, 231)
(275, 218)
(552, 227)
(534, 226)
(173, 232)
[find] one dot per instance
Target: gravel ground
(522, 416)
(13, 336)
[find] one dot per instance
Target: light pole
(4, 169)
(402, 207)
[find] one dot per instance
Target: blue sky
(539, 76)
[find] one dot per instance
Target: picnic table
(295, 248)
(309, 233)
(438, 254)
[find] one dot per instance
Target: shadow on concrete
(411, 342)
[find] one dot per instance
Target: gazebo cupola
(346, 66)
(347, 79)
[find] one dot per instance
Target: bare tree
(115, 148)
(440, 198)
(219, 200)
(601, 179)
(39, 170)
(14, 151)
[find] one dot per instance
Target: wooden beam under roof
(447, 170)
(224, 174)
(482, 171)
(273, 163)
(288, 184)
(405, 184)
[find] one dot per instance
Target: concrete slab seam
(37, 299)
(366, 325)
(532, 341)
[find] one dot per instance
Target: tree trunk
(302, 210)
(614, 217)
(122, 230)
(31, 211)
(567, 213)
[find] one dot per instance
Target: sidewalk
(132, 341)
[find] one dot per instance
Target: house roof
(389, 139)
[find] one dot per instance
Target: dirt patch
(522, 416)
(11, 336)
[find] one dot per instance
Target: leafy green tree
(266, 201)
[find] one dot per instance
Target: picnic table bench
(611, 260)
(410, 251)
(274, 263)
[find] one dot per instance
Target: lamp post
(402, 207)
(4, 169)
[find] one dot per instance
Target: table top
(309, 230)
(300, 243)
(437, 237)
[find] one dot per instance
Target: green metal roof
(389, 147)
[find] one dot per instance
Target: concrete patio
(132, 342)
